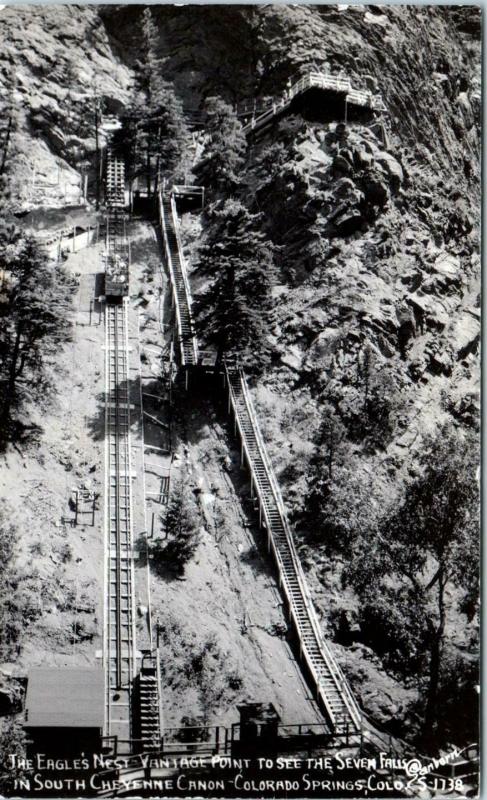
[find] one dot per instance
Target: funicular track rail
(332, 691)
(119, 644)
(119, 650)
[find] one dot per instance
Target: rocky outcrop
(54, 58)
(376, 219)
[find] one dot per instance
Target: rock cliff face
(378, 224)
(58, 56)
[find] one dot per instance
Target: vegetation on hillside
(234, 312)
(412, 566)
(224, 150)
(154, 137)
(35, 318)
(362, 232)
(181, 530)
(12, 744)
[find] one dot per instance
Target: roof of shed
(65, 697)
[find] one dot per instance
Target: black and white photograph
(240, 317)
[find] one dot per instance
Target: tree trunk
(12, 374)
(435, 658)
(5, 146)
(97, 161)
(149, 142)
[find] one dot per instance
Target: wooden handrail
(182, 269)
(333, 668)
(162, 220)
(184, 274)
(321, 80)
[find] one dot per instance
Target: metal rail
(188, 345)
(332, 690)
(119, 644)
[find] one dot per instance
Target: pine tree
(169, 133)
(12, 743)
(9, 125)
(90, 119)
(378, 401)
(333, 498)
(225, 148)
(181, 529)
(423, 559)
(34, 320)
(234, 312)
(158, 134)
(149, 66)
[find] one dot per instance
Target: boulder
(376, 191)
(342, 165)
(392, 167)
(432, 308)
(448, 265)
(441, 362)
(293, 358)
(343, 188)
(362, 158)
(466, 109)
(349, 222)
(465, 334)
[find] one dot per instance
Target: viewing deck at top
(263, 112)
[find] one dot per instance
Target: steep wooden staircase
(188, 346)
(331, 689)
(332, 692)
(149, 704)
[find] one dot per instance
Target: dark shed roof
(65, 698)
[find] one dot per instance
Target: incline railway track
(133, 712)
(119, 650)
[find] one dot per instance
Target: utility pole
(97, 145)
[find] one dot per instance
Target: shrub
(182, 530)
